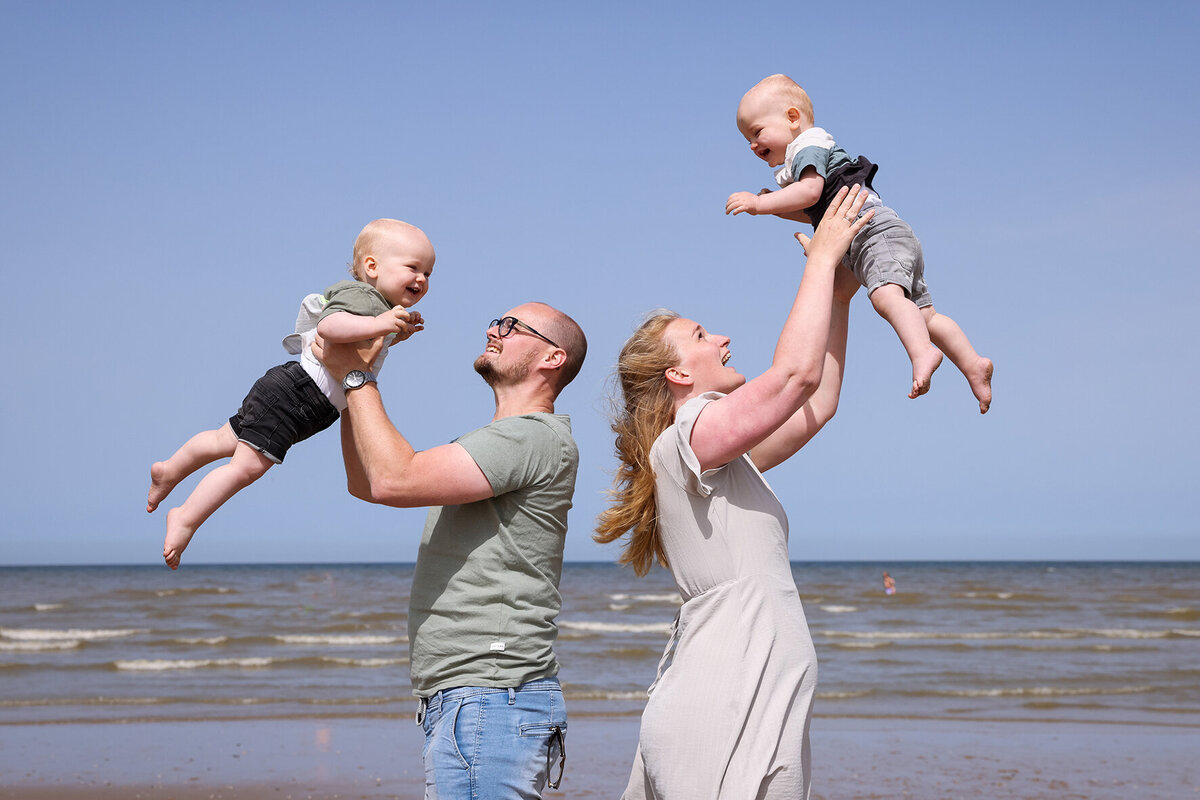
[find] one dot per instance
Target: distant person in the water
(889, 583)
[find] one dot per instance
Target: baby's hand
(401, 322)
(742, 201)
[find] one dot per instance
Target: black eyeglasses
(505, 326)
(556, 737)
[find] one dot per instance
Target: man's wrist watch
(356, 378)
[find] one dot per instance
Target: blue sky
(176, 177)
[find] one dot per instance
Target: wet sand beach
(854, 759)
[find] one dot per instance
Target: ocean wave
(618, 606)
(1065, 633)
(37, 702)
(1042, 691)
(163, 664)
(596, 694)
(616, 627)
(838, 609)
(366, 662)
(39, 646)
(46, 606)
(666, 597)
(860, 645)
(845, 695)
(338, 640)
(43, 634)
(204, 640)
(190, 590)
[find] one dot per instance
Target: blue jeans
(493, 743)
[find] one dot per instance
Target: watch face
(354, 379)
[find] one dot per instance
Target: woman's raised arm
(742, 420)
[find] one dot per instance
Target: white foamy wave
(193, 590)
(37, 634)
(46, 606)
(837, 609)
(162, 664)
(204, 640)
(1046, 691)
(618, 606)
(617, 627)
(860, 645)
(1066, 633)
(668, 597)
(586, 694)
(339, 640)
(35, 646)
(366, 662)
(843, 695)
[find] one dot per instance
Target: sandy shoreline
(381, 758)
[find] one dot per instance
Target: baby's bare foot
(178, 536)
(923, 369)
(980, 378)
(160, 485)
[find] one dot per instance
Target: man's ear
(677, 376)
(555, 358)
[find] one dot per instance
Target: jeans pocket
(542, 729)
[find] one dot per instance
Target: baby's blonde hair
(369, 238)
(788, 91)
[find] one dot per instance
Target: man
(485, 591)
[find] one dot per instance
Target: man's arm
(785, 202)
(381, 466)
(388, 471)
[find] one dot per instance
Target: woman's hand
(838, 227)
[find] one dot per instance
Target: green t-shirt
(358, 297)
(485, 591)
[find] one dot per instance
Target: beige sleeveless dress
(728, 715)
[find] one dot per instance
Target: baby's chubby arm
(785, 202)
(343, 326)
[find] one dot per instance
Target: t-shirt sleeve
(358, 298)
(514, 453)
(811, 156)
(673, 450)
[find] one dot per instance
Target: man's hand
(740, 202)
(400, 321)
(341, 359)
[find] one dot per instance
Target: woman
(729, 717)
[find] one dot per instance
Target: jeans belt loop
(512, 696)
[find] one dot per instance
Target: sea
(1079, 642)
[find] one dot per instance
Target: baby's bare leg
(247, 466)
(203, 448)
(906, 319)
(946, 334)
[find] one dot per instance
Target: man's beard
(494, 376)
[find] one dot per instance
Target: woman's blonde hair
(644, 409)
